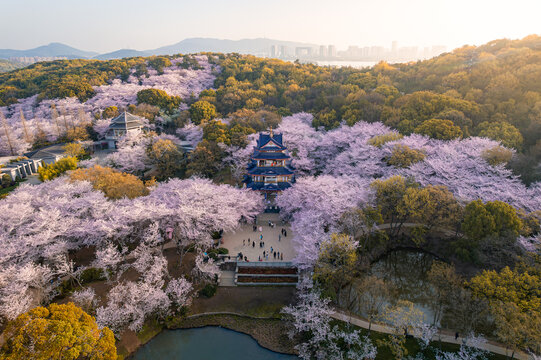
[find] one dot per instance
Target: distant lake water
(206, 343)
(339, 63)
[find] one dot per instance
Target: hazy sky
(107, 25)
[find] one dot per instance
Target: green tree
(372, 295)
(519, 287)
(239, 135)
(110, 112)
(432, 206)
(445, 282)
(113, 183)
(439, 129)
(403, 156)
(501, 131)
(202, 111)
(205, 160)
(75, 150)
(390, 200)
(57, 332)
(216, 131)
(478, 221)
(167, 157)
(159, 98)
(335, 266)
(380, 140)
(517, 329)
(505, 217)
(51, 171)
(497, 155)
(405, 318)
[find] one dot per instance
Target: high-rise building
(332, 51)
(394, 48)
(322, 51)
(284, 53)
(274, 51)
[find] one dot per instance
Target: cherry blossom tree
(310, 318)
(314, 205)
(130, 303)
(179, 291)
(191, 133)
(85, 299)
(23, 287)
(205, 269)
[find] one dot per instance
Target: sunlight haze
(104, 26)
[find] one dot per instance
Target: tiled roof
(270, 170)
(126, 121)
(268, 187)
(275, 138)
(49, 151)
(269, 155)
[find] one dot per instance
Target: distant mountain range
(258, 46)
(51, 50)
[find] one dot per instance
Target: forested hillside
(490, 91)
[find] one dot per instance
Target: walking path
(489, 346)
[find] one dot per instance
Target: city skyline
(356, 52)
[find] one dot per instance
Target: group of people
(276, 255)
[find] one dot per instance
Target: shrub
(439, 129)
(158, 98)
(380, 140)
(403, 156)
(209, 290)
(91, 274)
(110, 112)
(497, 155)
(57, 168)
(113, 183)
(202, 111)
(75, 150)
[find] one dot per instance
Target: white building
(332, 51)
(121, 125)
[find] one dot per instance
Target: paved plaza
(234, 241)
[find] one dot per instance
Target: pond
(206, 343)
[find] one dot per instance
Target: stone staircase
(264, 273)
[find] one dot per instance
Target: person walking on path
(279, 237)
(243, 242)
(274, 255)
(282, 256)
(253, 244)
(260, 229)
(456, 336)
(271, 249)
(285, 233)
